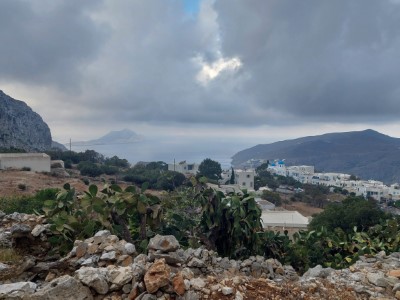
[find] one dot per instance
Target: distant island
(124, 136)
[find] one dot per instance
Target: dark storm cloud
(327, 60)
(139, 61)
(47, 42)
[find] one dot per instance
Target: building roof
(285, 218)
(16, 155)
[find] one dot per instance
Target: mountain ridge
(21, 127)
(367, 154)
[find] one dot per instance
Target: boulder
(178, 284)
(165, 243)
(64, 287)
(157, 276)
(16, 290)
(95, 278)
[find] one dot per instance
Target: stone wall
(105, 267)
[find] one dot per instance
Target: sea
(166, 150)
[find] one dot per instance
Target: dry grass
(10, 256)
(303, 208)
(11, 180)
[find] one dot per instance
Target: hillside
(21, 127)
(367, 154)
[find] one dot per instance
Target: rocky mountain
(21, 127)
(367, 154)
(58, 146)
(125, 136)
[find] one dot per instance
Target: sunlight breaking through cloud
(210, 71)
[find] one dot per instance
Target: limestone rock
(157, 276)
(377, 279)
(317, 271)
(227, 290)
(38, 229)
(20, 230)
(195, 262)
(129, 248)
(120, 276)
(178, 284)
(197, 283)
(64, 287)
(165, 243)
(95, 278)
(394, 273)
(16, 290)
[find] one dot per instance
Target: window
(244, 183)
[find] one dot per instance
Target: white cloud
(210, 71)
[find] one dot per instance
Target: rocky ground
(105, 267)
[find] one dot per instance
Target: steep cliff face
(21, 127)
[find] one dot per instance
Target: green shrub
(22, 186)
(89, 169)
(27, 204)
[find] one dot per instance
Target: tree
(89, 169)
(272, 197)
(353, 211)
(210, 169)
(169, 180)
(232, 180)
(117, 162)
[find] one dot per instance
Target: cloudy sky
(219, 70)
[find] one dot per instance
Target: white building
(284, 220)
(302, 174)
(278, 167)
(184, 168)
(366, 188)
(394, 192)
(37, 162)
(245, 178)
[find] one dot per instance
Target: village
(278, 219)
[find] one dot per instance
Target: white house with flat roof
(37, 162)
(184, 168)
(291, 221)
(245, 178)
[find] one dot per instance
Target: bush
(272, 197)
(170, 180)
(109, 170)
(353, 211)
(156, 175)
(89, 169)
(26, 169)
(27, 204)
(22, 186)
(68, 164)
